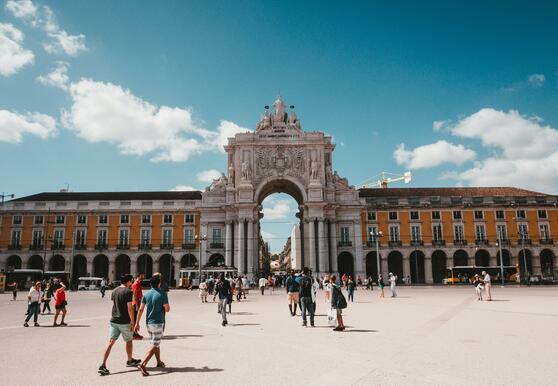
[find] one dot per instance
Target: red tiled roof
(112, 196)
(449, 192)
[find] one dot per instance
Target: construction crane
(384, 178)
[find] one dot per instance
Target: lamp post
(522, 238)
(501, 257)
(376, 235)
(200, 239)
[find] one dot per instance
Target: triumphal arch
(279, 156)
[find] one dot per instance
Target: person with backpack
(223, 290)
(338, 302)
(292, 292)
(305, 294)
(350, 288)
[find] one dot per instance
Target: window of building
(37, 238)
(457, 215)
(103, 219)
(16, 238)
(372, 232)
(146, 219)
(145, 236)
(371, 216)
(523, 231)
(189, 236)
(80, 238)
(344, 234)
(124, 219)
(437, 232)
(39, 220)
(188, 218)
(167, 236)
(124, 237)
(102, 237)
(216, 235)
(167, 219)
(16, 220)
(415, 233)
(393, 215)
(81, 219)
(394, 233)
(500, 215)
(58, 237)
(435, 215)
(542, 214)
(502, 231)
(415, 215)
(479, 215)
(544, 231)
(60, 219)
(458, 234)
(480, 232)
(520, 214)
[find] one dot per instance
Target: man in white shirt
(33, 298)
(262, 282)
(392, 279)
(487, 285)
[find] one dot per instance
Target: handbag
(331, 318)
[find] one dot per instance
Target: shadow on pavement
(243, 324)
(68, 326)
(168, 370)
(172, 337)
(243, 313)
(356, 330)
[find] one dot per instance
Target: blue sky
(139, 95)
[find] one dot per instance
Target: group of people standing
(483, 284)
(43, 293)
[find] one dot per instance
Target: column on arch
(359, 258)
(250, 248)
(322, 247)
(311, 245)
(240, 246)
(333, 238)
(228, 243)
(428, 278)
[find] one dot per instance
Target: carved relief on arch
(279, 160)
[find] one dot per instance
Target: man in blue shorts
(156, 302)
(121, 322)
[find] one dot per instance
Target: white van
(89, 283)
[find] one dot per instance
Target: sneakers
(25, 324)
(303, 324)
(37, 325)
(103, 370)
(224, 323)
(63, 324)
(133, 362)
(339, 328)
(143, 370)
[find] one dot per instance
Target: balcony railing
(372, 243)
(58, 246)
(14, 247)
(167, 246)
(481, 242)
(524, 241)
(394, 244)
(459, 242)
(101, 246)
(123, 245)
(36, 246)
(216, 245)
(546, 241)
(505, 241)
(439, 242)
(189, 246)
(345, 244)
(416, 243)
(80, 246)
(144, 246)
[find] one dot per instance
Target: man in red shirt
(60, 304)
(136, 299)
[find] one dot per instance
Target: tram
(464, 274)
(190, 276)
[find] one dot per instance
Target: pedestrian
(381, 285)
(14, 290)
(315, 287)
(392, 280)
(487, 285)
(103, 287)
(156, 304)
(408, 280)
(33, 299)
(122, 322)
(137, 295)
(292, 292)
(238, 285)
(477, 283)
(350, 289)
(262, 283)
(245, 286)
(60, 304)
(223, 289)
(305, 295)
(47, 297)
(338, 303)
(270, 283)
(327, 289)
(203, 291)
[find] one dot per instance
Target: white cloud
(58, 77)
(274, 209)
(105, 112)
(524, 151)
(44, 19)
(22, 9)
(268, 235)
(432, 155)
(536, 80)
(207, 176)
(14, 125)
(183, 188)
(438, 125)
(13, 56)
(225, 130)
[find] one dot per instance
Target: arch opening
(122, 266)
(13, 262)
(439, 266)
(166, 268)
(395, 264)
(145, 265)
(346, 264)
(416, 260)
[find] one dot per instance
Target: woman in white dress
(203, 291)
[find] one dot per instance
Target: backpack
(306, 286)
(341, 301)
